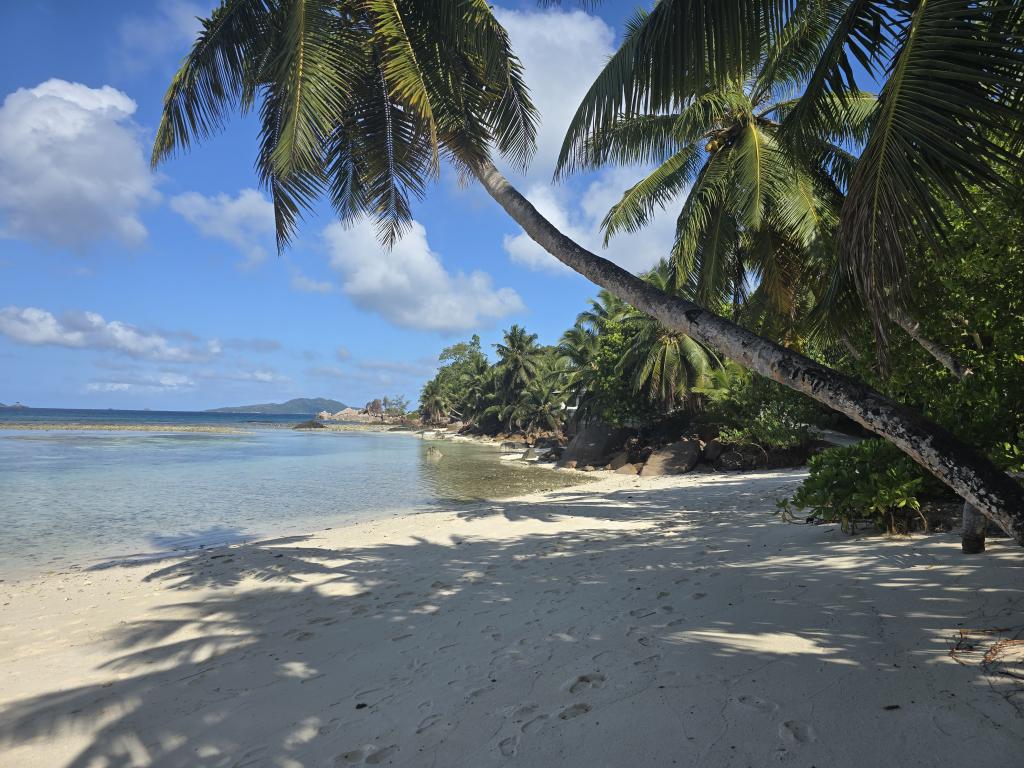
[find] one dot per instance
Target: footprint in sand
(508, 746)
(524, 711)
(427, 723)
(583, 682)
(574, 711)
(756, 703)
(535, 724)
(648, 660)
(796, 732)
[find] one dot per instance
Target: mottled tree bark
(971, 475)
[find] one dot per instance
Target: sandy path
(660, 622)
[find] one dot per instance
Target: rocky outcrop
(619, 460)
(673, 459)
(713, 451)
(628, 469)
(311, 424)
(593, 444)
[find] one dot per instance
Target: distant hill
(15, 406)
(305, 406)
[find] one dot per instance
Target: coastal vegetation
(801, 187)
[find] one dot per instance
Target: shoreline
(137, 552)
(630, 621)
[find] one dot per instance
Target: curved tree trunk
(913, 329)
(964, 470)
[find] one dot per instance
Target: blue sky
(127, 289)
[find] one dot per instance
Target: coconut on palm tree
(360, 101)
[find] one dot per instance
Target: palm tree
(540, 406)
(754, 206)
(359, 101)
(519, 362)
(477, 387)
(663, 364)
(606, 308)
(758, 208)
(577, 350)
(435, 402)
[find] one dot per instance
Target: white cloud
(246, 220)
(562, 52)
(582, 222)
(72, 169)
(89, 330)
(163, 381)
(305, 284)
(165, 33)
(342, 353)
(409, 286)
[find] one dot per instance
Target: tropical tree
(478, 391)
(606, 308)
(758, 209)
(359, 101)
(540, 406)
(578, 350)
(663, 365)
(754, 206)
(435, 402)
(519, 361)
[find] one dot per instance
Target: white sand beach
(628, 622)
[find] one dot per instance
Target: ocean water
(78, 498)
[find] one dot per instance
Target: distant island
(17, 406)
(300, 406)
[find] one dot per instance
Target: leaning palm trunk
(975, 478)
(913, 329)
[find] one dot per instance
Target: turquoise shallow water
(77, 498)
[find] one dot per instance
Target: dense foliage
(869, 482)
(974, 287)
(615, 365)
(622, 368)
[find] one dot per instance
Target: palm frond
(215, 78)
(679, 50)
(931, 135)
(638, 203)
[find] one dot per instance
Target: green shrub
(775, 425)
(748, 409)
(871, 481)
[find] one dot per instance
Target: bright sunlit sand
(630, 622)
